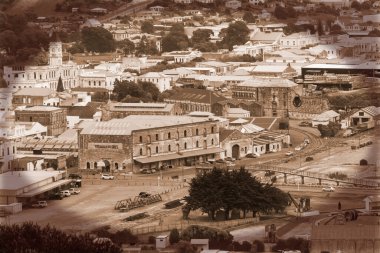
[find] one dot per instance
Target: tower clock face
(297, 102)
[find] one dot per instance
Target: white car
(289, 153)
(107, 177)
(74, 191)
(328, 189)
(65, 193)
(298, 148)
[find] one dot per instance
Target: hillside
(39, 7)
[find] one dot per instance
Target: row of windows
(169, 136)
(170, 147)
(8, 151)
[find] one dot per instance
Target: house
(233, 4)
(220, 67)
(97, 78)
(372, 203)
(157, 8)
(205, 1)
(31, 96)
(281, 71)
(183, 56)
(299, 40)
(364, 116)
(161, 81)
(91, 22)
(267, 37)
(331, 51)
(234, 143)
(325, 118)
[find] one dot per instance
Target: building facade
(53, 118)
(141, 141)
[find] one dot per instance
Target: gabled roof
(197, 95)
(371, 110)
(38, 92)
(326, 115)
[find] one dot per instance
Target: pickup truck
(40, 204)
(74, 191)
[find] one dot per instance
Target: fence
(184, 224)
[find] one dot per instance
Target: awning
(45, 188)
(191, 153)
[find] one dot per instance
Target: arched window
(116, 166)
(169, 135)
(185, 145)
(141, 151)
(245, 149)
(95, 165)
(88, 165)
(140, 138)
(157, 149)
(212, 130)
(185, 133)
(212, 141)
(169, 148)
(197, 144)
(196, 131)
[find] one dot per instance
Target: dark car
(56, 195)
(144, 194)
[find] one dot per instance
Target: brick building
(273, 94)
(147, 141)
(53, 118)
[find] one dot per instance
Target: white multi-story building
(97, 78)
(299, 40)
(161, 81)
(45, 76)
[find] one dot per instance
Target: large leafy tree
(127, 46)
(97, 39)
(30, 237)
(133, 92)
(147, 27)
(235, 34)
(201, 40)
(176, 39)
(225, 190)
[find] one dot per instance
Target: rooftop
(138, 122)
(268, 82)
(40, 92)
(40, 108)
(20, 179)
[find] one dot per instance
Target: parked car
(75, 176)
(74, 191)
(107, 177)
(298, 148)
(254, 155)
(65, 193)
(219, 161)
(328, 189)
(289, 153)
(40, 204)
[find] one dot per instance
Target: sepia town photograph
(189, 126)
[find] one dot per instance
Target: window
(140, 138)
(169, 135)
(156, 137)
(13, 149)
(95, 165)
(88, 165)
(30, 119)
(361, 113)
(8, 149)
(185, 133)
(185, 145)
(141, 151)
(197, 144)
(116, 166)
(196, 131)
(157, 149)
(169, 148)
(212, 130)
(212, 141)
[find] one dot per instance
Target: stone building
(273, 94)
(122, 110)
(147, 141)
(53, 118)
(31, 96)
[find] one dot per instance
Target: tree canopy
(201, 40)
(97, 39)
(284, 12)
(221, 190)
(176, 39)
(127, 91)
(248, 17)
(147, 27)
(29, 237)
(235, 34)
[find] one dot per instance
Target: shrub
(174, 236)
(151, 239)
(338, 175)
(260, 247)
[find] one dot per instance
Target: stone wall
(311, 107)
